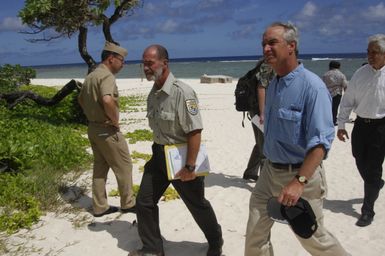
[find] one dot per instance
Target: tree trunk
(82, 47)
(15, 98)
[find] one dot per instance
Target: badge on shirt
(192, 106)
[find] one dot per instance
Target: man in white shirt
(365, 96)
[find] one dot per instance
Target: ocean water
(234, 66)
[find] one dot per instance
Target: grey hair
(290, 33)
(378, 39)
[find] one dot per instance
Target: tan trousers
(259, 225)
(110, 150)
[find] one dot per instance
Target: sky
(204, 28)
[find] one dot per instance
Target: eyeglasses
(119, 58)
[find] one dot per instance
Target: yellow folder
(176, 160)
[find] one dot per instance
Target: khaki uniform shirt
(97, 84)
(173, 112)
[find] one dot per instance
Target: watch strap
(190, 168)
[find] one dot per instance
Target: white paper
(176, 160)
(255, 120)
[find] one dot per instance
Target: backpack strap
(245, 115)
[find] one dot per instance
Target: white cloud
(169, 26)
(11, 24)
(375, 12)
(309, 10)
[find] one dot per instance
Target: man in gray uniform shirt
(174, 117)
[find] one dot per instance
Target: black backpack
(246, 94)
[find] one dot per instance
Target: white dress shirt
(365, 95)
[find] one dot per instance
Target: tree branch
(15, 98)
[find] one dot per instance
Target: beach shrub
(66, 111)
(139, 135)
(169, 194)
(40, 149)
(19, 208)
(131, 103)
(137, 155)
(12, 77)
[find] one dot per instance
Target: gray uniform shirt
(173, 112)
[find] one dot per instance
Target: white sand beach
(229, 146)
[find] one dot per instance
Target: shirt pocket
(167, 121)
(289, 122)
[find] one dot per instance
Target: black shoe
(131, 209)
(364, 220)
(250, 176)
(110, 210)
(215, 250)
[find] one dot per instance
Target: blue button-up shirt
(298, 116)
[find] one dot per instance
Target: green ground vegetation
(139, 135)
(132, 103)
(169, 194)
(39, 148)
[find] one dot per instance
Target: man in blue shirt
(299, 132)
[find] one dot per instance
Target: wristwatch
(301, 179)
(190, 168)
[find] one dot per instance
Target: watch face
(302, 179)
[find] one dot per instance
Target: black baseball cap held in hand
(300, 217)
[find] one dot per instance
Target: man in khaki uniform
(99, 100)
(174, 117)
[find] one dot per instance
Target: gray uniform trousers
(259, 225)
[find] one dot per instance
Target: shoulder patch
(192, 106)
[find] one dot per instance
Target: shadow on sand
(343, 206)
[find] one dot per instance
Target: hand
(185, 175)
(341, 134)
(261, 119)
(291, 193)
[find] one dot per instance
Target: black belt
(370, 121)
(158, 146)
(286, 166)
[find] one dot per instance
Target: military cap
(111, 47)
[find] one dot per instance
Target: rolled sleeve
(320, 127)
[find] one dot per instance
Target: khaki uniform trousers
(259, 225)
(110, 150)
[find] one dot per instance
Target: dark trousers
(256, 157)
(368, 146)
(335, 104)
(153, 185)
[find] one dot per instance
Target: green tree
(55, 19)
(65, 18)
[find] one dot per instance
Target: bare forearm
(111, 110)
(312, 160)
(193, 145)
(261, 100)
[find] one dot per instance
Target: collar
(286, 80)
(103, 66)
(166, 88)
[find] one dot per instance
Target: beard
(155, 75)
